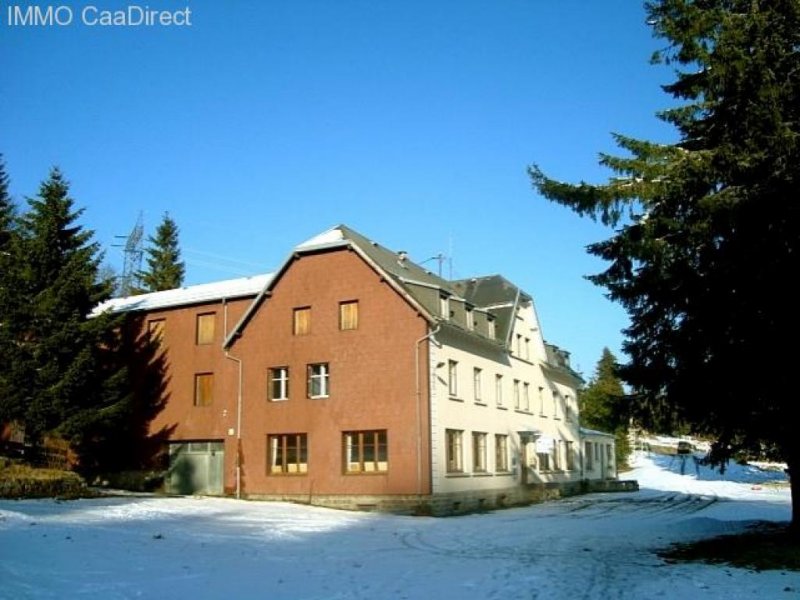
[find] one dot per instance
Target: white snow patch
(597, 546)
(194, 294)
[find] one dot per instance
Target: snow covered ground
(597, 546)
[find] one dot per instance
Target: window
(570, 451)
(203, 389)
(527, 349)
(155, 329)
(478, 452)
(452, 377)
(444, 306)
(301, 324)
(526, 397)
(589, 457)
(567, 408)
(365, 451)
(470, 316)
(544, 461)
(498, 389)
(500, 452)
(517, 402)
(491, 327)
(279, 383)
(556, 455)
(541, 402)
(519, 345)
(454, 451)
(287, 454)
(476, 383)
(348, 315)
(318, 380)
(205, 328)
(555, 403)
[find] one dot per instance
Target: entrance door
(196, 468)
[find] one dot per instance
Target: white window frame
(319, 373)
(452, 378)
(444, 306)
(454, 450)
(477, 382)
(501, 453)
(479, 464)
(283, 383)
(470, 318)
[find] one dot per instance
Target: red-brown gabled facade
(346, 380)
(352, 377)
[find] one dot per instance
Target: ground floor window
(365, 451)
(454, 450)
(570, 451)
(544, 461)
(500, 452)
(478, 452)
(556, 455)
(287, 454)
(589, 456)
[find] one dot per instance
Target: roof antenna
(440, 258)
(133, 258)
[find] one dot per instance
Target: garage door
(196, 467)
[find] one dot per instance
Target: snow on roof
(586, 431)
(194, 294)
(331, 236)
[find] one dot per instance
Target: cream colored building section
(530, 402)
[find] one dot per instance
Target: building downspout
(238, 361)
(427, 336)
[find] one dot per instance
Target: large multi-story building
(353, 377)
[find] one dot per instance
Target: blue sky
(266, 122)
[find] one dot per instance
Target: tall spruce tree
(707, 230)
(165, 269)
(10, 401)
(69, 378)
(603, 405)
(6, 208)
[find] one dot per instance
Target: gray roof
(558, 361)
(493, 294)
(489, 290)
(421, 287)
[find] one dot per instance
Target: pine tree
(10, 401)
(165, 269)
(707, 230)
(603, 405)
(71, 382)
(7, 210)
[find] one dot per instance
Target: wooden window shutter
(203, 389)
(302, 320)
(348, 315)
(205, 328)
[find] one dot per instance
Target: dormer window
(444, 306)
(492, 333)
(470, 316)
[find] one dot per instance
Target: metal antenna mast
(133, 258)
